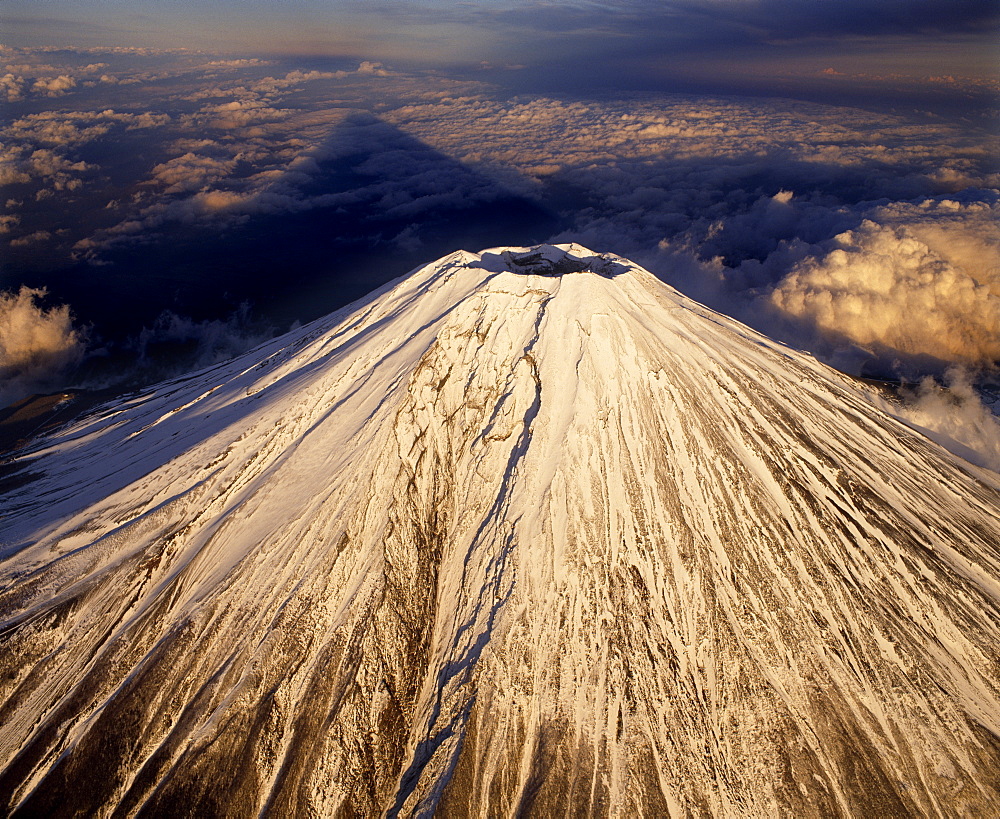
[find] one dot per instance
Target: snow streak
(524, 532)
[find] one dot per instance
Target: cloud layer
(831, 228)
(869, 238)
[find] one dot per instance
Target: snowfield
(524, 532)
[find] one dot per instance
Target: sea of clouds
(868, 238)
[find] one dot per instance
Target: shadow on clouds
(193, 290)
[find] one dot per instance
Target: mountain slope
(526, 532)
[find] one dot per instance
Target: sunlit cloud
(37, 343)
(54, 86)
(917, 285)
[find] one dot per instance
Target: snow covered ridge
(525, 531)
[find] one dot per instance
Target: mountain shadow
(387, 204)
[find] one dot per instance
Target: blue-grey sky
(630, 37)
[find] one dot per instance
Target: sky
(182, 181)
(631, 43)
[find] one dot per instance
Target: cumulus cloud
(11, 87)
(20, 164)
(953, 414)
(54, 86)
(191, 172)
(37, 344)
(31, 238)
(11, 170)
(372, 68)
(236, 114)
(39, 147)
(54, 129)
(55, 168)
(272, 85)
(922, 283)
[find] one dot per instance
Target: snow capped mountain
(525, 532)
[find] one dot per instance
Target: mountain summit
(525, 532)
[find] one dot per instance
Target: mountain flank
(524, 532)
